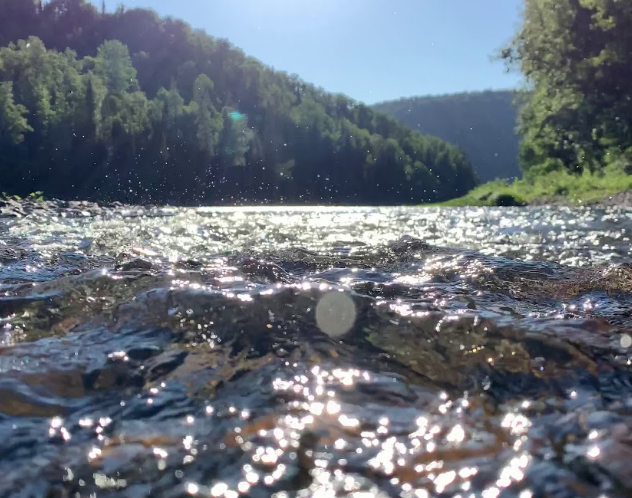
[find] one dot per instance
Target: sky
(370, 50)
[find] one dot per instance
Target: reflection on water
(317, 352)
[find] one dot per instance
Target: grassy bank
(555, 187)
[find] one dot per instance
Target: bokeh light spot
(335, 314)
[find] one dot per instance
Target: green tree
(208, 121)
(577, 58)
(236, 137)
(104, 124)
(114, 65)
(481, 123)
(18, 19)
(13, 123)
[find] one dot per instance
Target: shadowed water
(317, 352)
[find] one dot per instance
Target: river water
(231, 352)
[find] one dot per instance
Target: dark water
(317, 352)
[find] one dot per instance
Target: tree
(481, 123)
(577, 58)
(65, 23)
(18, 19)
(13, 123)
(147, 108)
(114, 65)
(236, 137)
(208, 121)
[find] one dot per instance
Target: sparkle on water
(317, 352)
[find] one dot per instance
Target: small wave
(191, 354)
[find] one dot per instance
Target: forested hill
(482, 123)
(134, 107)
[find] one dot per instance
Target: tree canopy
(577, 59)
(134, 107)
(483, 124)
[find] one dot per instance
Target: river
(413, 352)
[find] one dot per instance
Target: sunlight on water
(316, 352)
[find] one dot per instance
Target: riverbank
(558, 188)
(18, 208)
(614, 188)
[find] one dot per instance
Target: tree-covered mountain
(576, 56)
(483, 124)
(131, 106)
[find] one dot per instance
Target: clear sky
(371, 50)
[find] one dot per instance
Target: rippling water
(317, 352)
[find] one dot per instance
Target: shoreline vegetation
(584, 191)
(555, 188)
(575, 109)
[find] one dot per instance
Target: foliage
(13, 123)
(555, 185)
(133, 107)
(114, 65)
(577, 58)
(481, 123)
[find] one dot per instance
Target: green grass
(33, 196)
(557, 186)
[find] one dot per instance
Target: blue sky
(371, 50)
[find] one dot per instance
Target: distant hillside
(134, 107)
(482, 124)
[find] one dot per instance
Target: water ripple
(317, 352)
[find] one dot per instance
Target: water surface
(231, 352)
